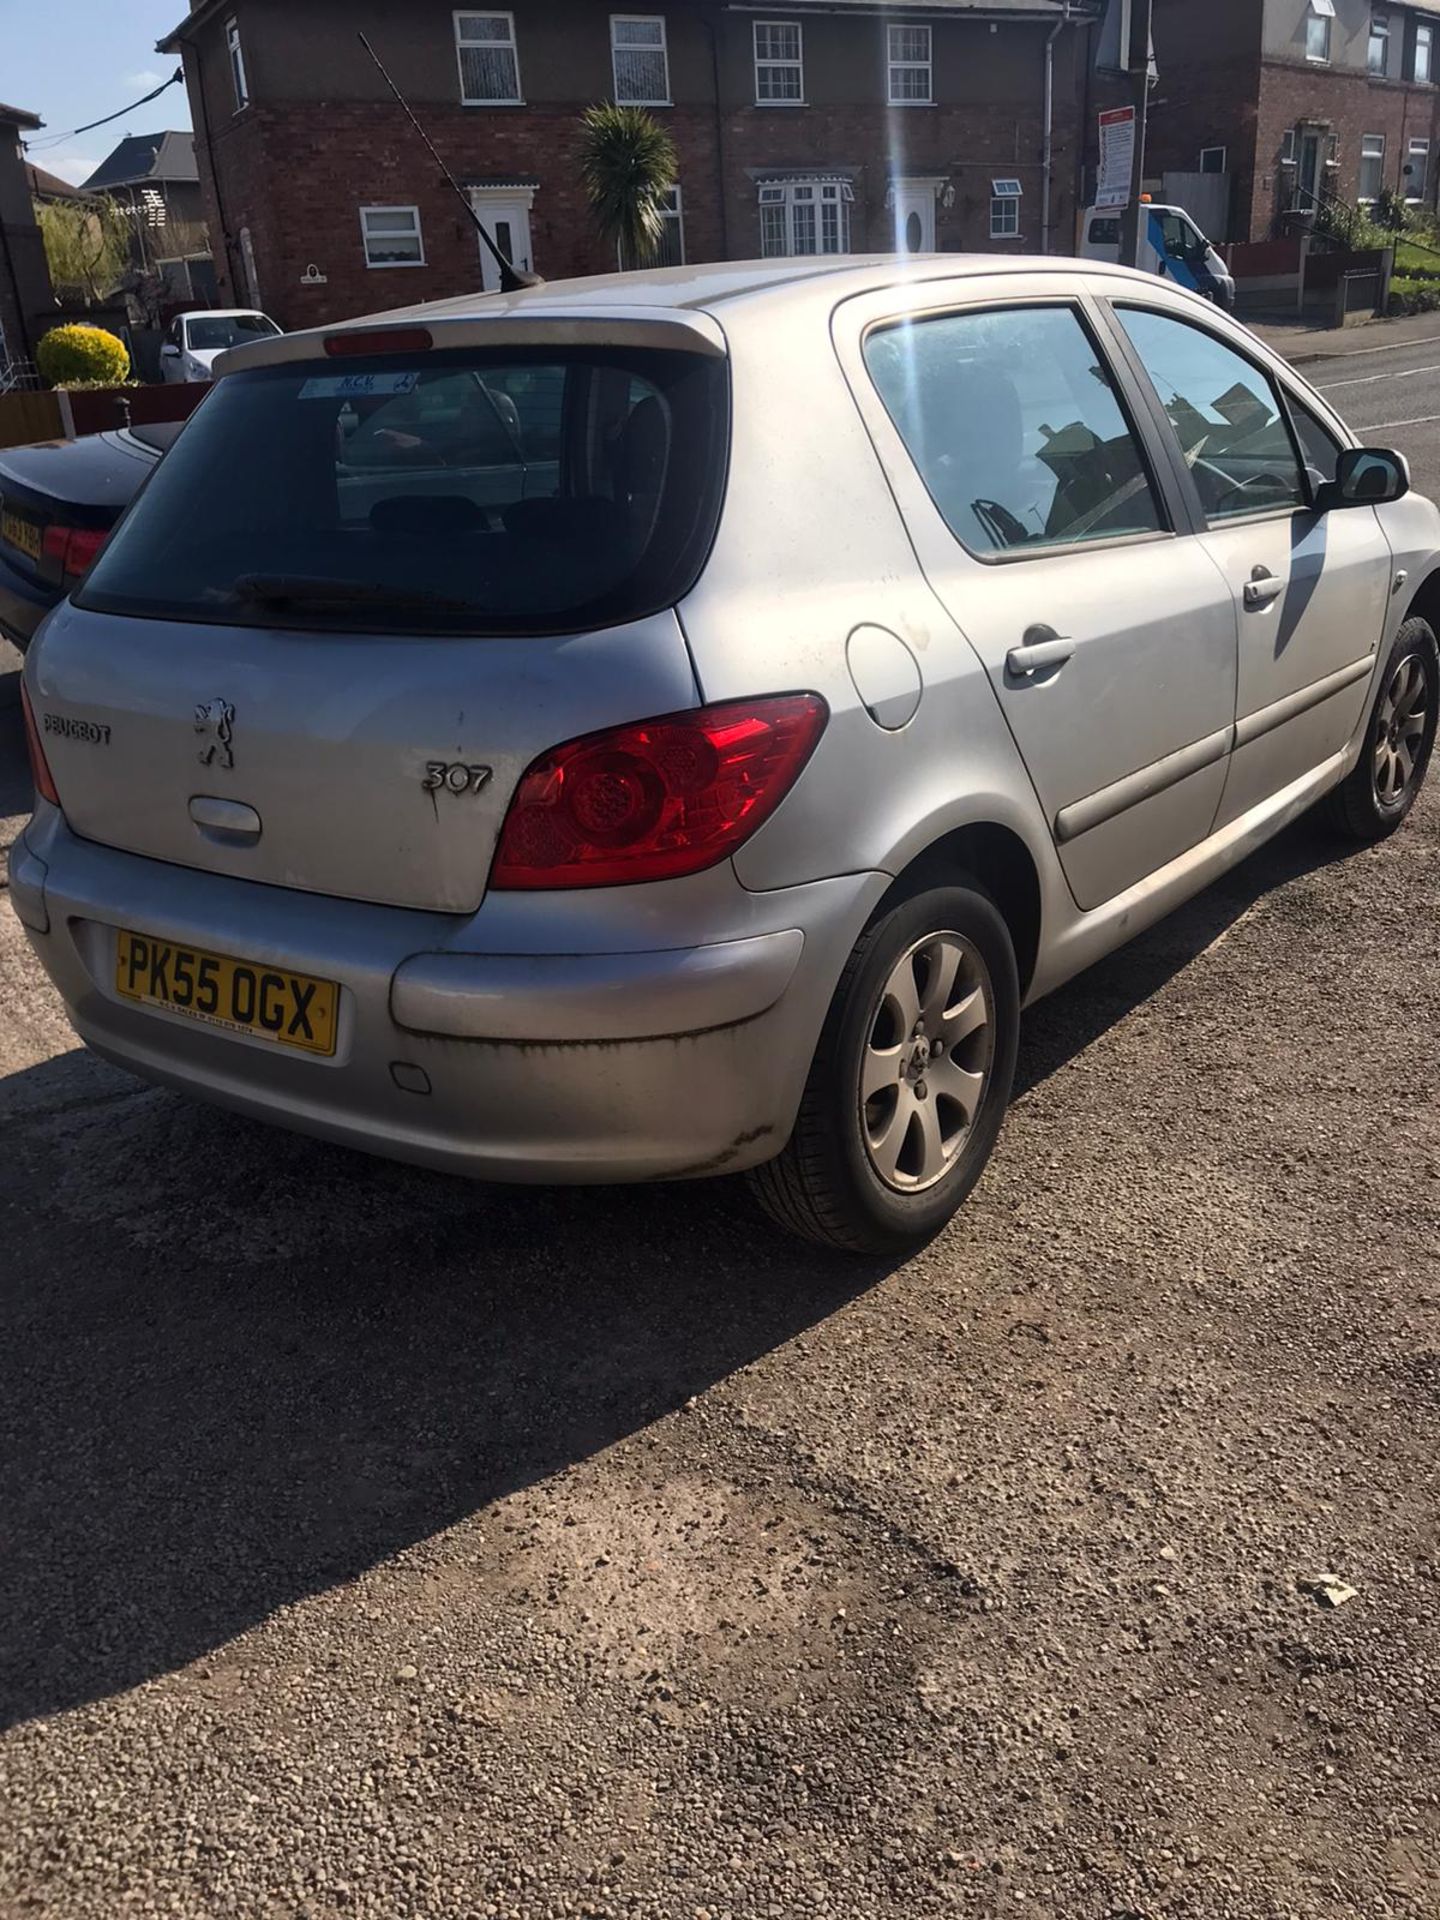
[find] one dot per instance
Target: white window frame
(770, 64)
(1369, 199)
(381, 266)
(1005, 209)
(1224, 157)
(235, 53)
(792, 200)
(663, 49)
(517, 99)
(1313, 19)
(894, 64)
(1422, 147)
(1379, 36)
(673, 214)
(1424, 36)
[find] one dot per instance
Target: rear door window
(1016, 428)
(478, 492)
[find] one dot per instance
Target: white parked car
(192, 340)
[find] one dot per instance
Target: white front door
(507, 221)
(914, 218)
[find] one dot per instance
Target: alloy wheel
(1400, 730)
(926, 1062)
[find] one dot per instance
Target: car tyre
(910, 1080)
(1373, 800)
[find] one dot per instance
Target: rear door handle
(1261, 589)
(1043, 648)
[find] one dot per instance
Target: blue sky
(74, 60)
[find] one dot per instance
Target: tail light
(39, 766)
(652, 801)
(73, 548)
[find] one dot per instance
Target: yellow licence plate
(272, 1004)
(23, 534)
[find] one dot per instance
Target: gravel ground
(379, 1545)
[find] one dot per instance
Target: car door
(1310, 589)
(1037, 515)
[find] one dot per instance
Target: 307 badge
(289, 1009)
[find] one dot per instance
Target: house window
(1317, 29)
(1212, 159)
(779, 64)
(1417, 170)
(639, 58)
(1287, 147)
(1424, 53)
(489, 63)
(1377, 53)
(805, 216)
(1005, 209)
(1372, 165)
(237, 64)
(672, 232)
(392, 236)
(909, 63)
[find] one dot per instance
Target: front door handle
(1043, 649)
(1261, 589)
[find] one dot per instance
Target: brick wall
(1349, 105)
(295, 173)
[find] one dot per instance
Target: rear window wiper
(307, 590)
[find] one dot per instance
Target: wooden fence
(27, 417)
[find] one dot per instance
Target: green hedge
(1411, 295)
(69, 355)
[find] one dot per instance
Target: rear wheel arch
(999, 859)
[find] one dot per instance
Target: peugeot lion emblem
(216, 722)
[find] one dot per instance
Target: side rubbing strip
(1266, 719)
(1096, 808)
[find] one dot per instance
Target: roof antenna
(511, 278)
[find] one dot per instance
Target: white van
(1170, 244)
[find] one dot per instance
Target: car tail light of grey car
(658, 799)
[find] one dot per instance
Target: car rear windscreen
(528, 490)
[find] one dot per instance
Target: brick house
(1297, 98)
(155, 177)
(838, 127)
(27, 299)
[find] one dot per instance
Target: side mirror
(1365, 477)
(169, 350)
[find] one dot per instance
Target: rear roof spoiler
(664, 329)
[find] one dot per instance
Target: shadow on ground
(237, 1367)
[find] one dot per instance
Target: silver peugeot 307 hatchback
(670, 724)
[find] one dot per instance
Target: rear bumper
(565, 1063)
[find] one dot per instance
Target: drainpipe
(203, 116)
(712, 28)
(1048, 154)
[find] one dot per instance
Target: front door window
(1225, 413)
